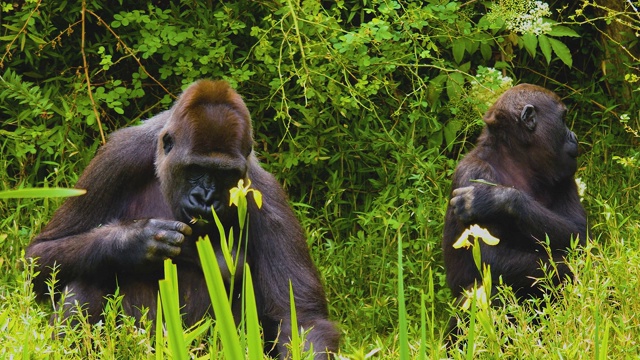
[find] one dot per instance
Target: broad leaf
(530, 42)
(559, 30)
(458, 50)
(562, 51)
(545, 47)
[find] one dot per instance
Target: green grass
(596, 318)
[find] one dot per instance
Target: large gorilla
(144, 187)
(519, 184)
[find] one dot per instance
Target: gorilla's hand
(150, 240)
(481, 202)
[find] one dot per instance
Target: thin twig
(86, 75)
(296, 27)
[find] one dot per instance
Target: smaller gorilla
(519, 184)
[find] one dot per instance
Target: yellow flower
(479, 294)
(241, 191)
(477, 232)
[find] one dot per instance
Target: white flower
(479, 294)
(478, 233)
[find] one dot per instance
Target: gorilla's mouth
(202, 214)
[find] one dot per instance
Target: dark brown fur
(527, 150)
(146, 184)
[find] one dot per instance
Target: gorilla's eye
(167, 143)
(564, 116)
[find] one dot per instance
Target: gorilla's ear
(528, 116)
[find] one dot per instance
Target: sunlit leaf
(41, 193)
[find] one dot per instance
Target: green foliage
(360, 108)
(170, 300)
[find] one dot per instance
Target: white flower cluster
(582, 187)
(487, 86)
(492, 76)
(529, 20)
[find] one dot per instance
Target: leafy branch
(7, 51)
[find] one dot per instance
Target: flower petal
(463, 240)
(257, 197)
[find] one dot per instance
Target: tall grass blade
(254, 338)
(402, 311)
(171, 307)
(422, 354)
(601, 338)
(295, 334)
(40, 193)
(197, 331)
(471, 334)
(160, 348)
(218, 293)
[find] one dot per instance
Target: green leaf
(255, 347)
(562, 51)
(218, 293)
(160, 343)
(458, 50)
(36, 39)
(486, 51)
(226, 243)
(450, 132)
(471, 45)
(41, 193)
(559, 30)
(295, 334)
(455, 81)
(171, 307)
(545, 47)
(403, 332)
(530, 42)
(197, 330)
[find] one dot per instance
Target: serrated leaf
(562, 51)
(458, 50)
(545, 47)
(559, 30)
(530, 42)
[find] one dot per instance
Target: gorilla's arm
(94, 233)
(478, 197)
(485, 202)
